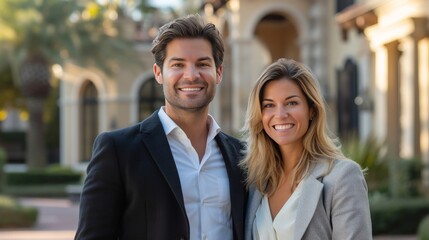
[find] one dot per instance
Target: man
(174, 175)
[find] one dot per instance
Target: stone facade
(371, 58)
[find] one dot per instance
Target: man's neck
(196, 126)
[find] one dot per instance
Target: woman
(301, 185)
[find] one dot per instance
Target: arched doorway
(279, 35)
(88, 108)
(347, 91)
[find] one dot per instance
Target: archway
(278, 34)
(88, 121)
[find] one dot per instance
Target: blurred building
(370, 56)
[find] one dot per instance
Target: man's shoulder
(125, 131)
(135, 128)
(228, 137)
(232, 141)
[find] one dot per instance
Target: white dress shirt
(205, 184)
(282, 227)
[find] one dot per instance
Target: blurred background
(71, 69)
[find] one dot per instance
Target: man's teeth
(191, 89)
(283, 127)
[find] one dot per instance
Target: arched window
(150, 98)
(88, 120)
(348, 112)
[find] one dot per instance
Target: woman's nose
(282, 112)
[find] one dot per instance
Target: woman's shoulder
(344, 169)
(345, 165)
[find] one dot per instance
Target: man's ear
(219, 71)
(158, 73)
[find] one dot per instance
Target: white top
(283, 225)
(205, 185)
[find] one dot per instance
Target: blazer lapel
(254, 201)
(153, 136)
(236, 184)
(311, 193)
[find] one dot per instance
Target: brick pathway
(58, 221)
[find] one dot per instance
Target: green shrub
(424, 229)
(51, 175)
(13, 215)
(405, 178)
(369, 154)
(397, 216)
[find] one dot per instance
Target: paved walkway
(58, 221)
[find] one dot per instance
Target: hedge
(424, 229)
(398, 216)
(42, 177)
(13, 215)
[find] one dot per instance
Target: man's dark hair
(191, 26)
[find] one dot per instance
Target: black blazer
(132, 189)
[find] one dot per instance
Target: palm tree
(36, 34)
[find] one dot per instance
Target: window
(151, 98)
(343, 4)
(88, 120)
(348, 112)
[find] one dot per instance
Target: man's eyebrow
(176, 59)
(182, 59)
(204, 58)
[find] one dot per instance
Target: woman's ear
(312, 113)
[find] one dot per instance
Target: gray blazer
(334, 206)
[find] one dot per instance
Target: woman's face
(285, 112)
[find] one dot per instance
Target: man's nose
(191, 73)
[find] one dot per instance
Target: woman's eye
(267, 105)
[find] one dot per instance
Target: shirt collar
(169, 125)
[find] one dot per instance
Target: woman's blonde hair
(262, 159)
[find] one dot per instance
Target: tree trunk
(36, 150)
(35, 76)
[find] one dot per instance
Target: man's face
(189, 75)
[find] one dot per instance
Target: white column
(380, 93)
(240, 60)
(69, 123)
(249, 58)
(423, 49)
(63, 125)
(319, 39)
(407, 105)
(366, 90)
